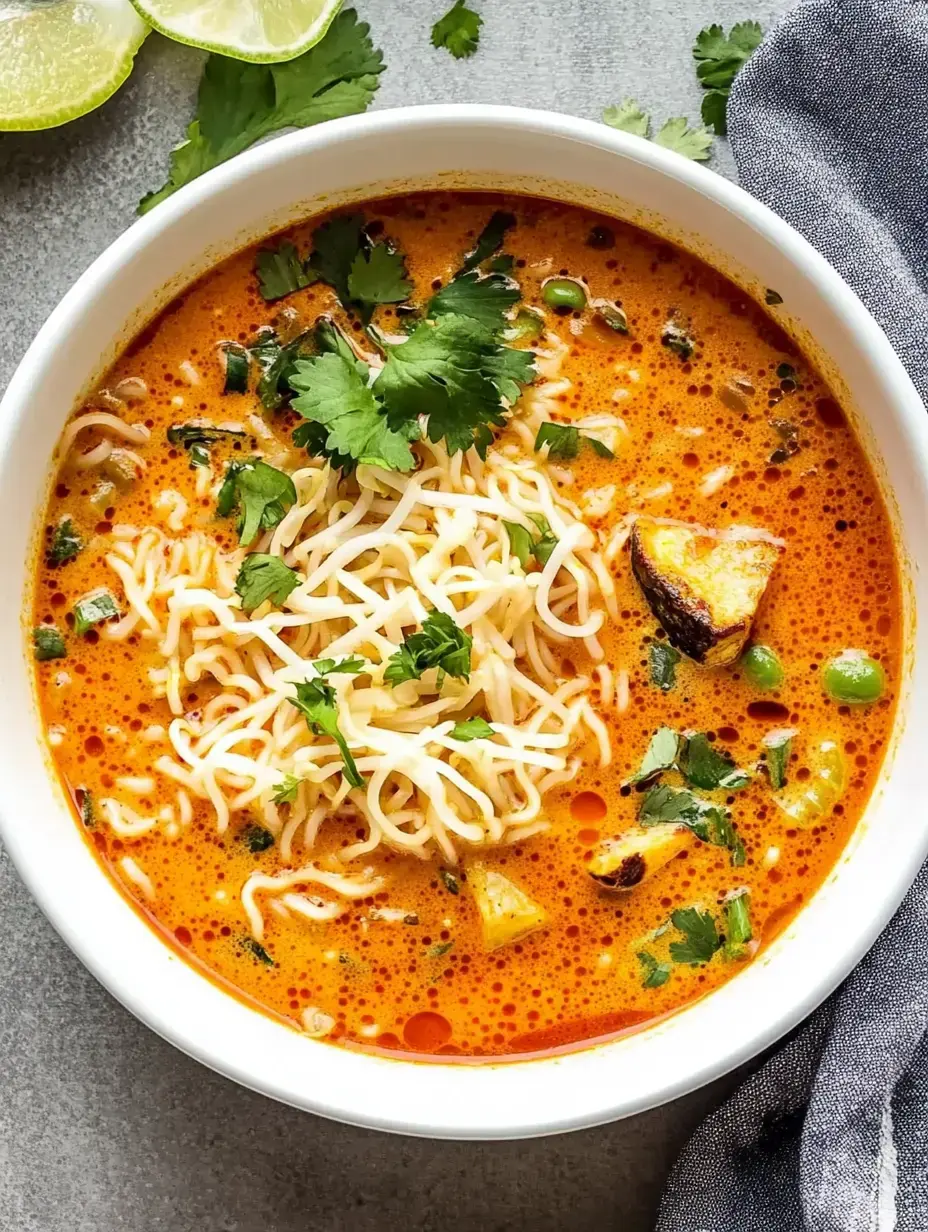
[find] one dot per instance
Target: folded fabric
(829, 127)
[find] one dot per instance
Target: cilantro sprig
(240, 103)
(564, 441)
(261, 493)
(525, 545)
(440, 643)
(65, 544)
(674, 134)
(458, 31)
(264, 577)
(317, 702)
(719, 58)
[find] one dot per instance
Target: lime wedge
(61, 58)
(258, 30)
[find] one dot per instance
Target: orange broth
(429, 987)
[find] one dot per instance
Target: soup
(466, 626)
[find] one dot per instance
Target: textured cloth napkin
(829, 127)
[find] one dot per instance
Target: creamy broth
(715, 420)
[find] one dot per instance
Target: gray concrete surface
(103, 1126)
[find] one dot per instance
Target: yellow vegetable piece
(819, 794)
(506, 912)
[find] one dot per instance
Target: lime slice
(257, 30)
(61, 58)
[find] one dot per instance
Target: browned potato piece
(506, 911)
(624, 862)
(704, 589)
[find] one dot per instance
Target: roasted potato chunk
(704, 589)
(506, 912)
(625, 862)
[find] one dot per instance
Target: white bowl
(348, 160)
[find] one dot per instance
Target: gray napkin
(829, 127)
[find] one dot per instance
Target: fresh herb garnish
(458, 31)
(264, 577)
(778, 745)
(276, 361)
(92, 609)
(440, 949)
(287, 789)
(66, 543)
(47, 643)
(484, 298)
(280, 271)
(350, 666)
(489, 241)
(675, 338)
(674, 134)
(88, 811)
(438, 644)
(256, 838)
(262, 494)
(449, 881)
(190, 435)
(471, 729)
(719, 58)
(458, 375)
(316, 702)
(361, 273)
(256, 950)
(662, 665)
(701, 936)
(378, 276)
(332, 393)
(525, 545)
(705, 766)
(738, 931)
(239, 103)
(711, 823)
(654, 973)
(661, 755)
(565, 441)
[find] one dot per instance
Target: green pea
(762, 667)
(527, 327)
(854, 677)
(564, 293)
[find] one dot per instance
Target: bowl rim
(599, 1105)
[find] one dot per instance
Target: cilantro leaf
(471, 729)
(264, 577)
(778, 745)
(564, 441)
(190, 434)
(489, 241)
(714, 111)
(66, 543)
(719, 58)
(655, 973)
(458, 31)
(486, 298)
(257, 950)
(331, 339)
(262, 493)
(440, 643)
(705, 766)
(47, 643)
(238, 363)
(351, 666)
(332, 393)
(455, 373)
(378, 276)
(276, 360)
(92, 609)
(256, 838)
(336, 243)
(239, 103)
(627, 117)
(316, 701)
(524, 546)
(711, 823)
(676, 135)
(287, 789)
(662, 665)
(661, 754)
(700, 933)
(280, 271)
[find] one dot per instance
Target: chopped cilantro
(256, 838)
(675, 338)
(738, 931)
(449, 880)
(239, 103)
(47, 643)
(66, 543)
(92, 609)
(711, 823)
(190, 434)
(701, 938)
(333, 393)
(264, 577)
(316, 701)
(378, 276)
(440, 949)
(471, 729)
(438, 644)
(458, 31)
(778, 745)
(524, 545)
(336, 243)
(719, 58)
(705, 766)
(287, 789)
(654, 973)
(661, 754)
(262, 493)
(256, 950)
(277, 361)
(565, 441)
(674, 134)
(662, 665)
(331, 339)
(484, 298)
(351, 666)
(280, 271)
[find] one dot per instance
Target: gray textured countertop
(103, 1126)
